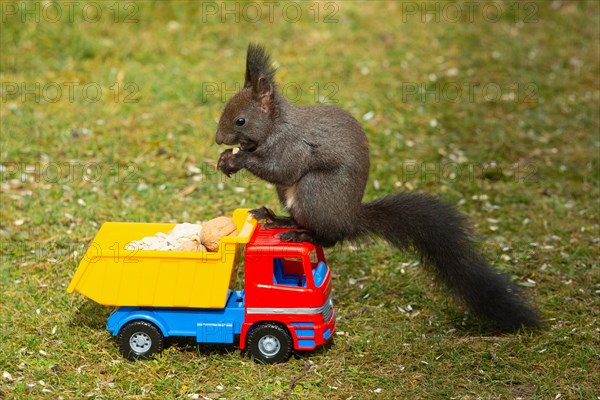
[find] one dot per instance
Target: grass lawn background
(111, 116)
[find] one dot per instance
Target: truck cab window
(318, 267)
(288, 272)
(314, 258)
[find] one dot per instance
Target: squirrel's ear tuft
(258, 65)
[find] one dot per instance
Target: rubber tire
(134, 327)
(275, 330)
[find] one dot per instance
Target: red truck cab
(288, 284)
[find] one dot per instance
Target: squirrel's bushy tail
(440, 235)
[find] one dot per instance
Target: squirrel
(318, 159)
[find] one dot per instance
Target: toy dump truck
(285, 304)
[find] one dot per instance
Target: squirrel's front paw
(228, 162)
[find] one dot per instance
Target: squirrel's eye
(240, 121)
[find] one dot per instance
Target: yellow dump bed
(113, 276)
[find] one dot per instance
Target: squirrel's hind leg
(303, 235)
(274, 221)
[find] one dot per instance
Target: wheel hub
(140, 342)
(269, 345)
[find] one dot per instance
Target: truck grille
(327, 309)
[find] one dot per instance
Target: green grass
(525, 165)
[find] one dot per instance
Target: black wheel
(140, 340)
(270, 343)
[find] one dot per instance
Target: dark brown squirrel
(318, 159)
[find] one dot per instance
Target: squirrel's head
(247, 119)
